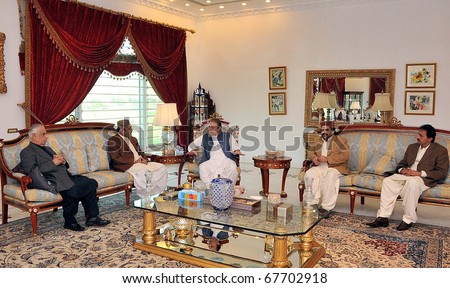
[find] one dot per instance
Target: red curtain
(161, 52)
(336, 85)
(68, 54)
(377, 85)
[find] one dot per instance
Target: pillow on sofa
(380, 164)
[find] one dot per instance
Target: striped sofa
(375, 150)
(84, 148)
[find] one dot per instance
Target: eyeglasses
(213, 127)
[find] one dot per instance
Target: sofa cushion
(368, 181)
(33, 195)
(110, 178)
(70, 144)
(96, 150)
(441, 191)
(346, 180)
(381, 163)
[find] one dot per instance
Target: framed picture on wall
(277, 78)
(277, 103)
(2, 63)
(419, 102)
(421, 75)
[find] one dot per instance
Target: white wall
(231, 57)
(234, 56)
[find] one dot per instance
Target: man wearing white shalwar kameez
(126, 155)
(329, 154)
(220, 149)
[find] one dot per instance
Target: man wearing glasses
(219, 153)
(126, 155)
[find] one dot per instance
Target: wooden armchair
(193, 169)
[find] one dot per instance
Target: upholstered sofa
(375, 150)
(84, 148)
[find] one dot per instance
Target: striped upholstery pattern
(84, 150)
(70, 144)
(381, 163)
(374, 151)
(377, 151)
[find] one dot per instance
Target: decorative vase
(221, 193)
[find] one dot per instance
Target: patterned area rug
(348, 242)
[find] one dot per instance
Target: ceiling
(211, 9)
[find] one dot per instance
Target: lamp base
(167, 136)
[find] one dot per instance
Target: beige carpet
(349, 243)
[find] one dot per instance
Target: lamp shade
(321, 100)
(382, 102)
(333, 101)
(166, 115)
(355, 105)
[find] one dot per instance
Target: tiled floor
(251, 180)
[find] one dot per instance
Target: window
(113, 98)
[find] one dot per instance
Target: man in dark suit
(73, 188)
(425, 164)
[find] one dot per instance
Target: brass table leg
(306, 247)
(149, 230)
(279, 258)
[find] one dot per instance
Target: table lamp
(167, 116)
(382, 103)
(326, 101)
(322, 101)
(355, 107)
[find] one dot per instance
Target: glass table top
(258, 218)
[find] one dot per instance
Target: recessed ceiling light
(187, 4)
(208, 1)
(202, 9)
(221, 6)
(244, 4)
(267, 1)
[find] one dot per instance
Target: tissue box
(283, 210)
(190, 195)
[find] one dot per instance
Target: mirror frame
(311, 74)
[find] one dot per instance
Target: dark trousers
(84, 190)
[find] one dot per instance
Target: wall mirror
(354, 93)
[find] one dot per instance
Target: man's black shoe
(97, 221)
(74, 227)
(379, 222)
(324, 213)
(404, 226)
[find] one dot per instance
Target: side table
(265, 163)
(157, 156)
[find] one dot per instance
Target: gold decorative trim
(3, 88)
(72, 120)
(313, 74)
(394, 122)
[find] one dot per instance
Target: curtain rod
(129, 15)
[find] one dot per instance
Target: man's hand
(192, 152)
(238, 152)
(141, 160)
(315, 160)
(58, 159)
(410, 172)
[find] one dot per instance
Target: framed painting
(2, 63)
(421, 75)
(419, 102)
(277, 103)
(277, 78)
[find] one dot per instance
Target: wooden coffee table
(265, 163)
